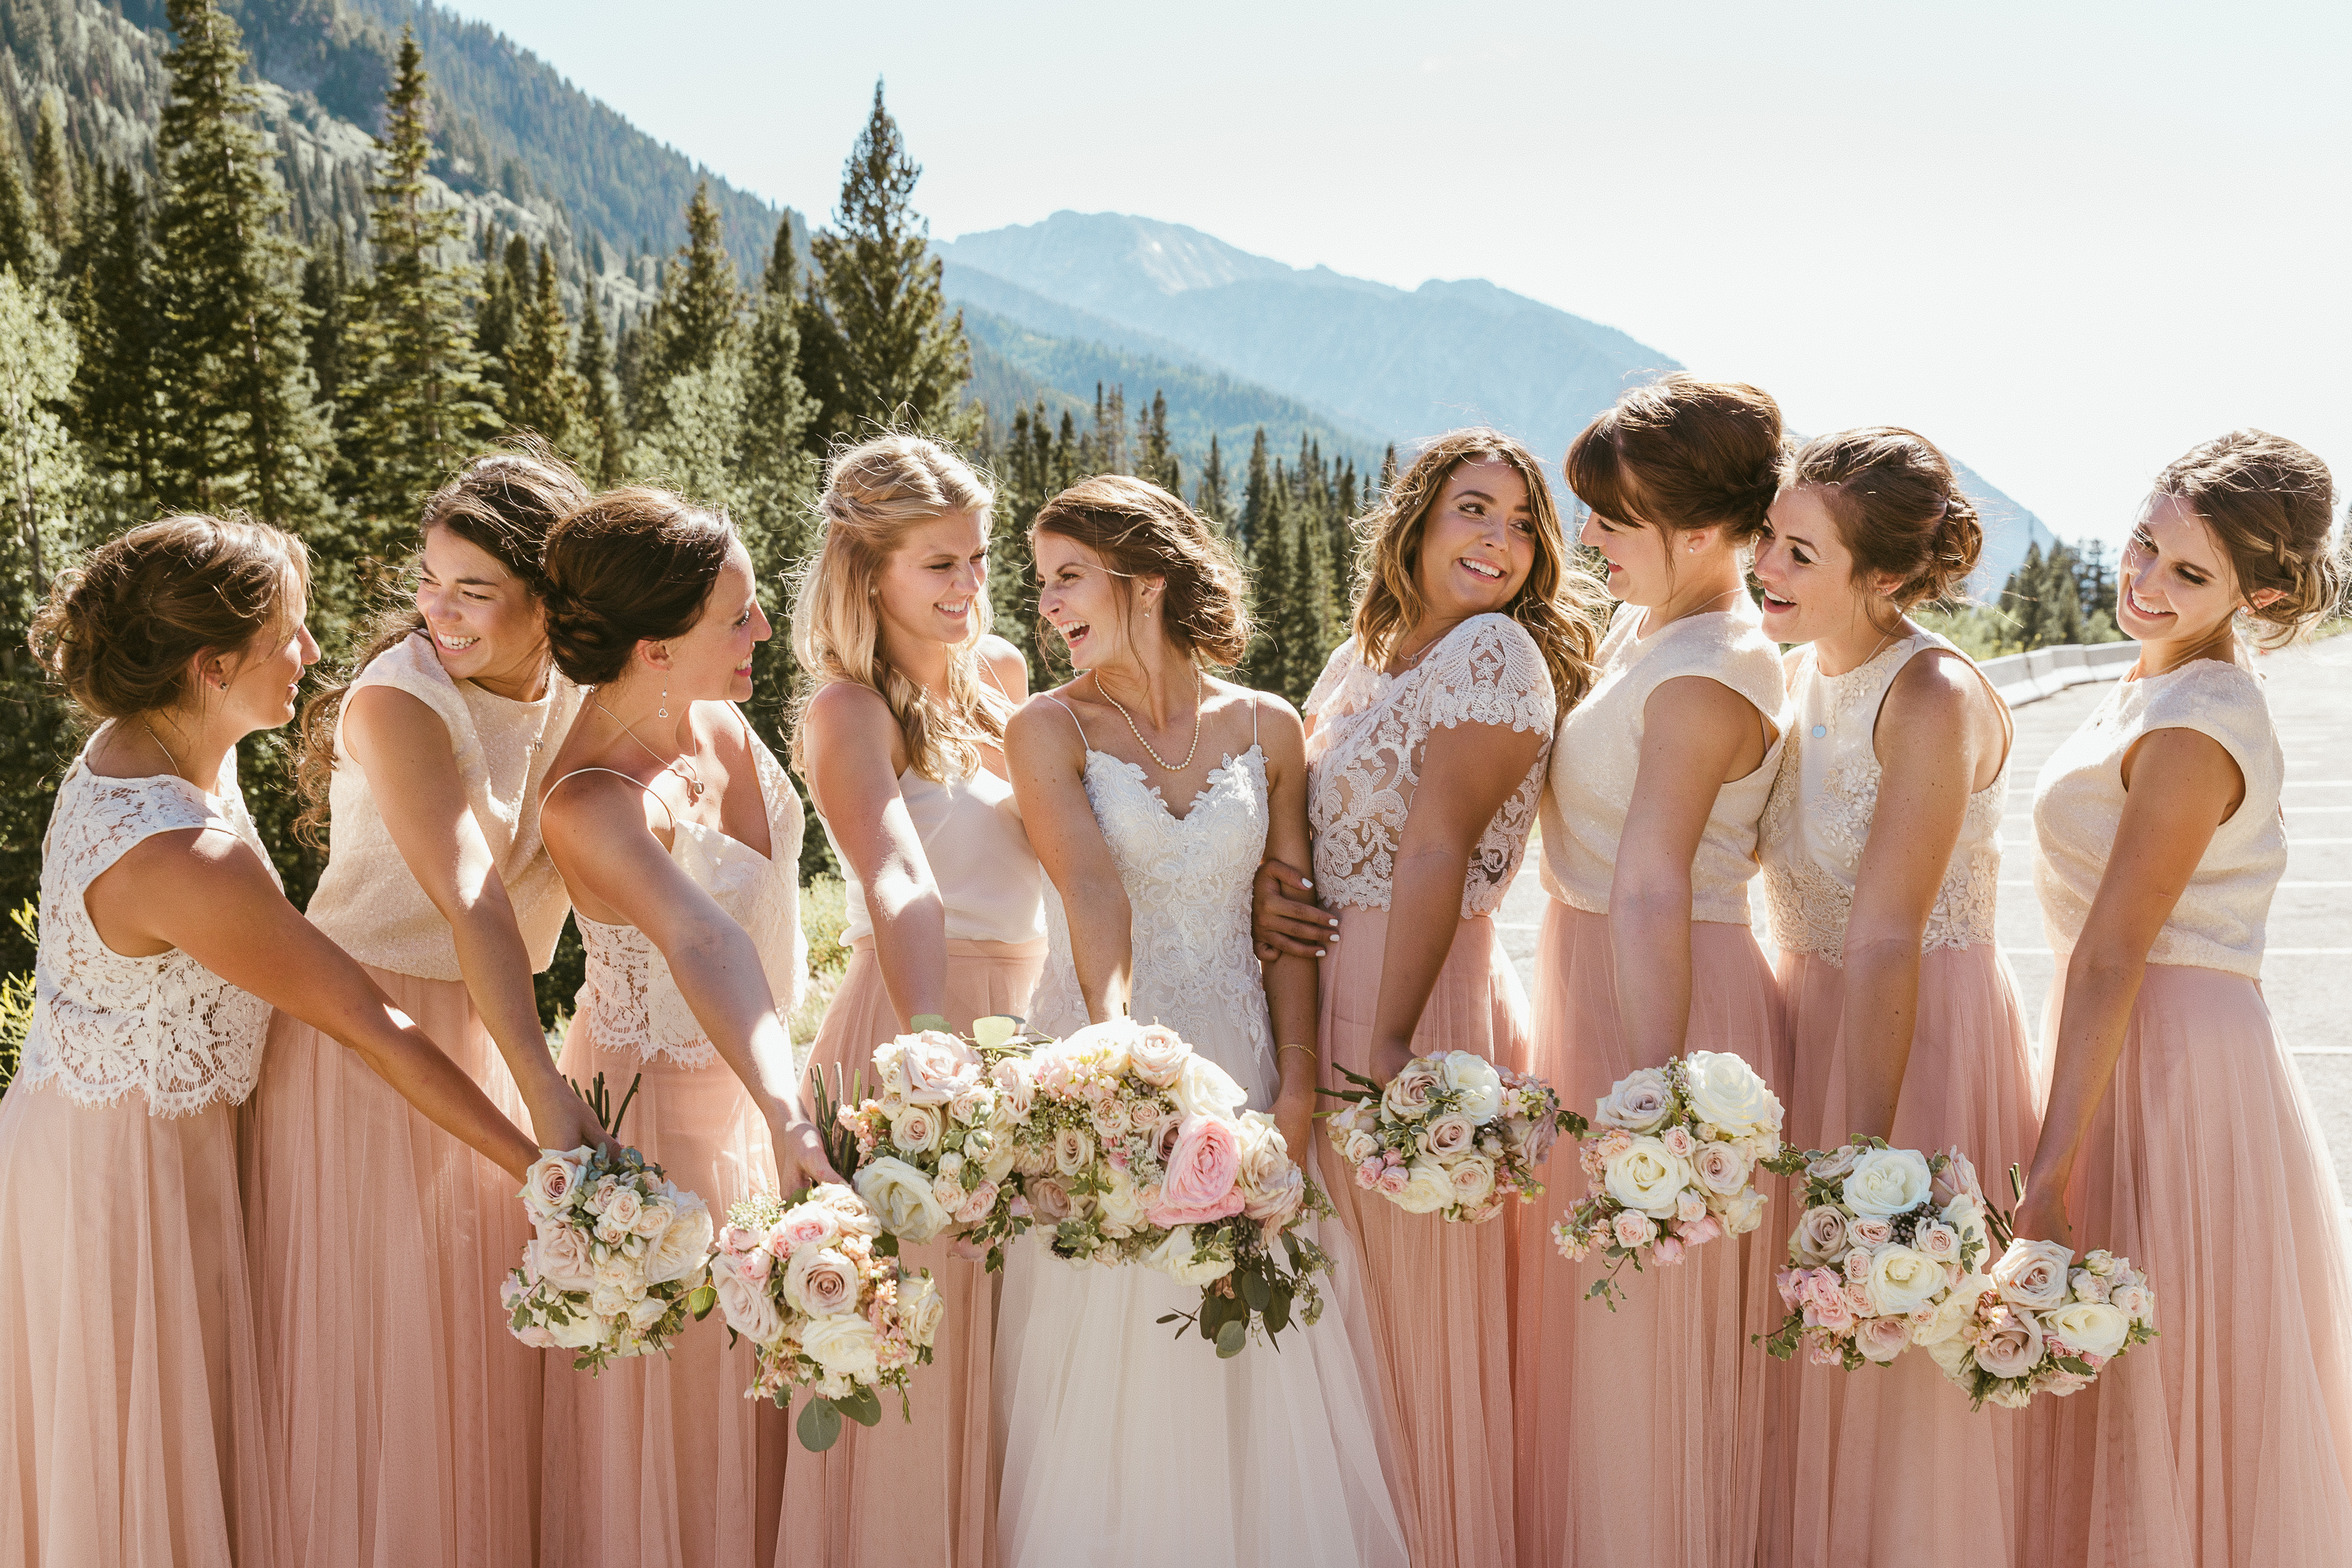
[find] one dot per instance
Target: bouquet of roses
(1452, 1134)
(618, 1263)
(1669, 1165)
(1134, 1148)
(823, 1307)
(1888, 1253)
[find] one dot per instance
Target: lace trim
(632, 1001)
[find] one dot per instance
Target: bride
(1150, 793)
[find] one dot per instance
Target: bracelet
(1294, 1045)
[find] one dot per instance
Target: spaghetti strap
(618, 774)
(1073, 718)
(1253, 721)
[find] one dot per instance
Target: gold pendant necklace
(693, 782)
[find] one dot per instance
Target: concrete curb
(2024, 677)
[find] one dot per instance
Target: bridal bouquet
(1134, 1149)
(1452, 1134)
(823, 1306)
(1888, 1253)
(618, 1263)
(1669, 1164)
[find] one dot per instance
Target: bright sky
(2064, 240)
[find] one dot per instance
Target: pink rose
(1634, 1229)
(1956, 1177)
(1882, 1339)
(1857, 1264)
(1202, 1171)
(1679, 1142)
(1164, 1134)
(820, 1281)
(1791, 1283)
(1830, 1310)
(1051, 1198)
(1871, 1232)
(1411, 1093)
(1721, 1168)
(1157, 1055)
(1820, 1234)
(1615, 1143)
(1395, 1179)
(1858, 1298)
(1368, 1174)
(2011, 1344)
(1939, 1241)
(2032, 1274)
(560, 1255)
(754, 1265)
(1532, 1138)
(1700, 1231)
(978, 1204)
(1444, 1137)
(1823, 1352)
(1667, 1249)
(937, 1066)
(736, 1239)
(547, 1185)
(1690, 1207)
(807, 1225)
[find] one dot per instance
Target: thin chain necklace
(1165, 765)
(680, 767)
(2212, 641)
(176, 772)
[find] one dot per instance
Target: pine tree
(2022, 597)
(22, 249)
(241, 430)
(543, 393)
(53, 188)
(2062, 617)
(326, 290)
(418, 398)
(118, 411)
(1155, 456)
(497, 324)
(874, 325)
(694, 321)
(778, 477)
(1209, 495)
(690, 407)
(1266, 550)
(601, 406)
(1303, 609)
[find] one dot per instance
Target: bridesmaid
(678, 835)
(1641, 1431)
(2176, 1132)
(404, 1416)
(129, 1386)
(902, 742)
(1882, 860)
(1471, 629)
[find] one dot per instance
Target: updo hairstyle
(1140, 531)
(633, 565)
(2271, 504)
(120, 632)
(1899, 507)
(874, 493)
(1682, 453)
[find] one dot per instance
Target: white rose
(680, 1250)
(1473, 1179)
(1074, 1151)
(585, 1330)
(1157, 1055)
(1725, 1090)
(916, 1130)
(1640, 1102)
(1479, 1087)
(1017, 1082)
(920, 1306)
(1427, 1188)
(1122, 1206)
(934, 1066)
(1647, 1177)
(902, 1196)
(820, 1281)
(547, 1186)
(1964, 1214)
(558, 1255)
(620, 1215)
(1743, 1212)
(1106, 1045)
(1887, 1181)
(2136, 1302)
(2088, 1327)
(1204, 1089)
(647, 1313)
(844, 1344)
(1904, 1279)
(2032, 1274)
(1173, 1257)
(1951, 1313)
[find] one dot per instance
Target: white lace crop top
(971, 834)
(368, 901)
(1819, 817)
(1598, 756)
(630, 1000)
(104, 1024)
(2078, 804)
(1363, 761)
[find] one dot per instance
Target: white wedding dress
(1123, 1444)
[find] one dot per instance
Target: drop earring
(663, 711)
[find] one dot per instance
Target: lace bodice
(105, 1024)
(629, 998)
(1187, 884)
(1363, 761)
(2078, 805)
(1596, 757)
(1819, 817)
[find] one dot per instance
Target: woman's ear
(2263, 598)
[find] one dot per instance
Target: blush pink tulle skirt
(1437, 1295)
(1888, 1464)
(128, 1378)
(402, 1416)
(660, 1462)
(2227, 1441)
(923, 1491)
(1641, 1431)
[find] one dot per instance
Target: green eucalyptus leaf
(700, 1300)
(819, 1425)
(1256, 1291)
(1231, 1339)
(863, 1406)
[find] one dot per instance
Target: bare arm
(1930, 755)
(1290, 981)
(852, 746)
(1467, 771)
(1695, 734)
(2179, 787)
(1048, 762)
(206, 892)
(596, 830)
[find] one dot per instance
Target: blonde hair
(874, 494)
(1561, 604)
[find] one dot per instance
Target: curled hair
(633, 565)
(120, 631)
(1682, 453)
(1140, 531)
(502, 503)
(2270, 504)
(874, 493)
(1899, 507)
(1560, 604)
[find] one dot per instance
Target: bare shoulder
(846, 708)
(1936, 707)
(1042, 720)
(1005, 661)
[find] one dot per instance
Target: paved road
(2307, 971)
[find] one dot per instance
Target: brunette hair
(503, 502)
(1560, 604)
(118, 631)
(874, 492)
(1142, 531)
(2272, 504)
(633, 565)
(1681, 454)
(1899, 508)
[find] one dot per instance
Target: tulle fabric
(2227, 1441)
(660, 1462)
(128, 1378)
(402, 1417)
(1890, 1465)
(923, 1491)
(1641, 1431)
(1436, 1295)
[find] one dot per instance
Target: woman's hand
(1293, 1118)
(1388, 1059)
(2041, 1216)
(1284, 917)
(560, 1119)
(801, 1159)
